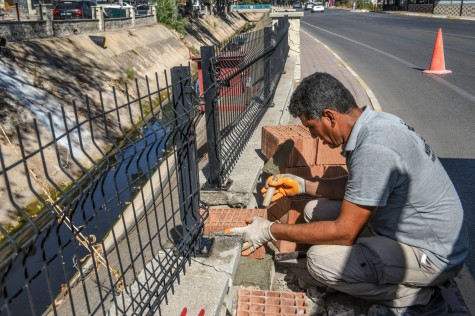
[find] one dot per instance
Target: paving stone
(221, 218)
(270, 303)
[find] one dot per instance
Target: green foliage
(364, 4)
(167, 14)
(131, 73)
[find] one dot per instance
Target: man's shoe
(437, 306)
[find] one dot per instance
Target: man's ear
(330, 115)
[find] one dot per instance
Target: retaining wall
(26, 30)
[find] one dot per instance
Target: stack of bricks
(270, 303)
(220, 219)
(288, 210)
(308, 158)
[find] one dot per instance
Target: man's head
(325, 107)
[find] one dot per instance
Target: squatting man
(392, 230)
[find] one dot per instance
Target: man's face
(323, 129)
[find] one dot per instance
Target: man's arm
(342, 231)
(331, 188)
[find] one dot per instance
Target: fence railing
(103, 200)
(239, 82)
(97, 223)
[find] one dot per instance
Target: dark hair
(320, 91)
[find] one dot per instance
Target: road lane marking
(404, 28)
(449, 85)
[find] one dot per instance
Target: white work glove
(285, 184)
(255, 234)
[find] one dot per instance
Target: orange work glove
(286, 185)
(255, 234)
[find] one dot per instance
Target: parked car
(142, 9)
(318, 7)
(309, 6)
(297, 5)
(73, 9)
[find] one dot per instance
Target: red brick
(321, 171)
(332, 171)
(288, 210)
(220, 219)
(306, 172)
(329, 156)
(305, 147)
(270, 303)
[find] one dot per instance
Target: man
(390, 231)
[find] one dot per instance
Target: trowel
(275, 165)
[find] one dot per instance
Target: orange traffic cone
(437, 65)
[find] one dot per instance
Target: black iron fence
(103, 202)
(239, 82)
(97, 223)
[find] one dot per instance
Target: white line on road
(449, 85)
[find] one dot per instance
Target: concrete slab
(207, 283)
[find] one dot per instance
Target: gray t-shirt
(392, 167)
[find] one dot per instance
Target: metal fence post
(187, 162)
(212, 118)
(17, 7)
(268, 62)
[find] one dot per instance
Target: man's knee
(320, 264)
(309, 209)
(322, 210)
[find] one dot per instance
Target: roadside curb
(372, 98)
(427, 15)
(421, 14)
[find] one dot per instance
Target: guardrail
(251, 7)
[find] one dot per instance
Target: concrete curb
(372, 98)
(207, 284)
(426, 15)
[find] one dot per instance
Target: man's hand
(255, 234)
(286, 185)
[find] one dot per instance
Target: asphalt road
(389, 53)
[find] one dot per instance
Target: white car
(309, 6)
(318, 7)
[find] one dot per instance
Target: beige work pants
(375, 268)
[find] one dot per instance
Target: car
(297, 5)
(309, 6)
(142, 9)
(73, 9)
(318, 7)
